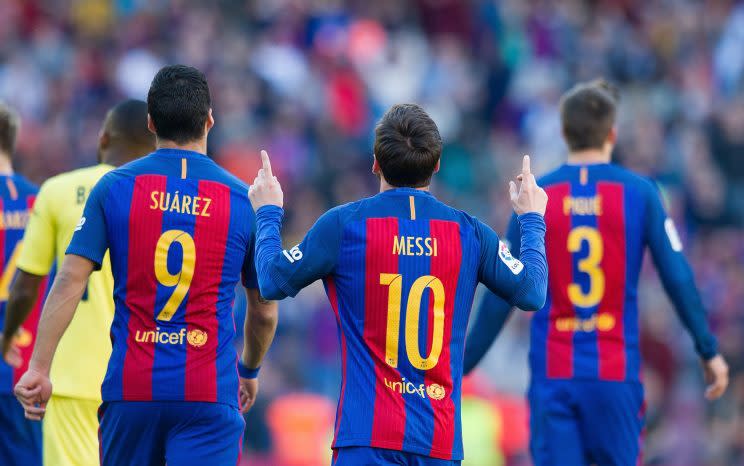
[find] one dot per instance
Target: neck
(199, 145)
(385, 186)
(116, 157)
(590, 156)
(6, 166)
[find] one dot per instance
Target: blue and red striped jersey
(17, 196)
(600, 219)
(180, 231)
(400, 270)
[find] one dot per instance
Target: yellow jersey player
(70, 434)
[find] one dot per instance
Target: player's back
(17, 196)
(179, 229)
(402, 288)
(596, 234)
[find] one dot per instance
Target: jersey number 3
(181, 280)
(589, 265)
(394, 282)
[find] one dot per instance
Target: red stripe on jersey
(389, 414)
(446, 267)
(610, 323)
(333, 298)
(145, 228)
(559, 348)
(210, 239)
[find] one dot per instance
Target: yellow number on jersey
(9, 273)
(180, 280)
(413, 307)
(589, 265)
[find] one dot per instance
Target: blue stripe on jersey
(359, 398)
(170, 360)
(635, 208)
(419, 412)
(118, 236)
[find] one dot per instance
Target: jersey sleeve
(90, 239)
(676, 275)
(492, 312)
(520, 282)
(38, 252)
(283, 273)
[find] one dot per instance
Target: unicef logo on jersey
(195, 337)
(406, 387)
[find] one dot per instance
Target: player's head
(9, 124)
(179, 105)
(407, 147)
(588, 112)
(124, 135)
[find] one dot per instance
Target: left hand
(265, 189)
(33, 390)
(11, 353)
(716, 376)
(248, 393)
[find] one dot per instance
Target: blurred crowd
(307, 79)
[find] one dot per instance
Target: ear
(151, 125)
(436, 167)
(104, 139)
(210, 120)
(612, 136)
(375, 165)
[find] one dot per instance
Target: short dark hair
(9, 124)
(407, 146)
(588, 112)
(178, 103)
(127, 123)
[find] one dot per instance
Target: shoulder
(555, 176)
(24, 185)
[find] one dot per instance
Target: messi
(414, 246)
(181, 203)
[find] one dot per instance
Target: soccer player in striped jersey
(71, 422)
(180, 231)
(400, 270)
(586, 397)
(20, 439)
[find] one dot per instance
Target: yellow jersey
(83, 353)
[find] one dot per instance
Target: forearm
(268, 248)
(23, 295)
(532, 291)
(491, 316)
(59, 310)
(259, 329)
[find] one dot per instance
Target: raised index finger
(266, 164)
(526, 165)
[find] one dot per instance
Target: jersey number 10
(394, 282)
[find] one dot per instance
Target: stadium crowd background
(307, 79)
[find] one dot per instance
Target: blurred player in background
(400, 270)
(180, 231)
(20, 439)
(71, 424)
(586, 398)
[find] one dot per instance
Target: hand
(265, 189)
(248, 393)
(33, 390)
(716, 376)
(529, 197)
(11, 353)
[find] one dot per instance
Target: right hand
(265, 189)
(11, 352)
(529, 197)
(248, 392)
(33, 390)
(716, 376)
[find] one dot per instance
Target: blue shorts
(583, 422)
(181, 433)
(20, 439)
(368, 456)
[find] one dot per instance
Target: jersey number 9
(181, 280)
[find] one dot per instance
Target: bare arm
(260, 325)
(23, 294)
(34, 388)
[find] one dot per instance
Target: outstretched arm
(283, 273)
(679, 283)
(34, 388)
